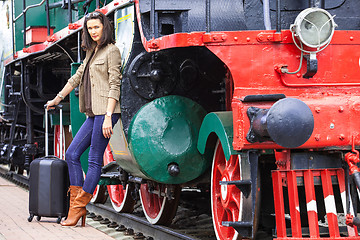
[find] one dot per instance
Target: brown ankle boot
(74, 190)
(78, 209)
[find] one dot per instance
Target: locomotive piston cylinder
(289, 123)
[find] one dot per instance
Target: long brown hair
(107, 35)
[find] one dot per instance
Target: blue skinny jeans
(90, 134)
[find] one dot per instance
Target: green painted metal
(39, 20)
(37, 17)
(55, 118)
(77, 119)
(165, 131)
(220, 123)
(109, 181)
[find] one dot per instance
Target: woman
(98, 79)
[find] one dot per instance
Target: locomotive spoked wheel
(226, 203)
(157, 208)
(120, 198)
(99, 195)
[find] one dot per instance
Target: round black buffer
(290, 122)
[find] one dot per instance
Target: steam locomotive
(254, 101)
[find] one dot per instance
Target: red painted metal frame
(332, 95)
(279, 204)
(289, 179)
(294, 205)
(311, 204)
(330, 204)
(63, 33)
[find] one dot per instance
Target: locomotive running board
(290, 180)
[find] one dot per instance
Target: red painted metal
(279, 204)
(36, 34)
(349, 220)
(334, 124)
(239, 117)
(332, 92)
(283, 159)
(352, 159)
(290, 180)
(294, 205)
(311, 204)
(330, 204)
(74, 26)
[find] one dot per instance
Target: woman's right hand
(51, 103)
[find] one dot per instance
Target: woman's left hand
(107, 127)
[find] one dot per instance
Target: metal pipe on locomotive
(207, 83)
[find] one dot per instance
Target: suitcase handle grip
(57, 107)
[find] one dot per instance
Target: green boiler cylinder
(163, 139)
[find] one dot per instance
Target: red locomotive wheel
(99, 195)
(226, 203)
(57, 142)
(121, 199)
(159, 209)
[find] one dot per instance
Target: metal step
(243, 228)
(243, 185)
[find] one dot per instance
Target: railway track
(192, 222)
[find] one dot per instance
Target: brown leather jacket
(105, 79)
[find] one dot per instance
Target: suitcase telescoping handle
(57, 107)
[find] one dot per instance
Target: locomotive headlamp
(314, 27)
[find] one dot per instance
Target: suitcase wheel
(30, 218)
(38, 218)
(58, 220)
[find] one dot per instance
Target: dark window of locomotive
(167, 29)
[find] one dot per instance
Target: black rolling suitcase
(49, 182)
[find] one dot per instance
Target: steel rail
(137, 223)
